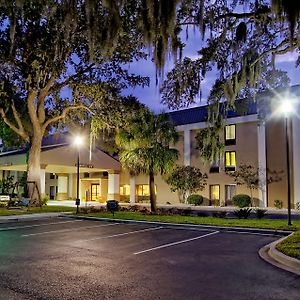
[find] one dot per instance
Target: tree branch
(20, 131)
(41, 99)
(64, 114)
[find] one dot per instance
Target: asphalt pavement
(64, 258)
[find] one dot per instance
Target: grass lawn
(291, 245)
(252, 223)
(44, 209)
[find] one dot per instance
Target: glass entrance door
(95, 188)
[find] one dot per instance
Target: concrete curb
(191, 226)
(270, 254)
(30, 217)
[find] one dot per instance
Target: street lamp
(286, 107)
(78, 141)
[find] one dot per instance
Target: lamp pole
(77, 193)
(287, 134)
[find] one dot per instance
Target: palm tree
(145, 146)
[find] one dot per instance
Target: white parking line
(176, 243)
(254, 233)
(69, 229)
(36, 225)
(121, 234)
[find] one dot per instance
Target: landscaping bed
(183, 217)
(291, 245)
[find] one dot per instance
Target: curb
(30, 217)
(270, 254)
(191, 226)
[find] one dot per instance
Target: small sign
(77, 202)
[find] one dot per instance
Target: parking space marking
(121, 234)
(253, 233)
(176, 243)
(36, 225)
(69, 229)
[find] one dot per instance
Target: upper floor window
(215, 167)
(230, 134)
(230, 160)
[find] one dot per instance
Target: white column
(113, 186)
(15, 176)
(296, 158)
(132, 190)
(262, 163)
(187, 147)
(43, 181)
(70, 186)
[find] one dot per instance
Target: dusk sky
(151, 96)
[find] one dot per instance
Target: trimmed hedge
(241, 200)
(195, 199)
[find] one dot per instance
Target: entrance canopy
(62, 159)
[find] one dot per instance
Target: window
(215, 167)
(230, 135)
(230, 161)
(125, 190)
(230, 191)
(214, 191)
(144, 189)
(86, 175)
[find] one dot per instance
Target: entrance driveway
(63, 258)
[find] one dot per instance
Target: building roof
(199, 114)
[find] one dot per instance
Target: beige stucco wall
(276, 160)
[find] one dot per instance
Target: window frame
(230, 168)
(210, 191)
(229, 142)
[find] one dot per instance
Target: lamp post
(286, 107)
(78, 142)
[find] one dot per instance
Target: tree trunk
(152, 191)
(33, 169)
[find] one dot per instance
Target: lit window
(230, 161)
(125, 190)
(215, 192)
(230, 135)
(144, 189)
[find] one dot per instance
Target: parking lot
(64, 258)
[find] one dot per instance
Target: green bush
(278, 204)
(195, 199)
(45, 199)
(243, 212)
(241, 200)
(260, 213)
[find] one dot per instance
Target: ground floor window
(125, 190)
(143, 192)
(214, 193)
(230, 191)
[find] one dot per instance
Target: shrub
(45, 199)
(220, 214)
(241, 200)
(195, 199)
(278, 204)
(243, 212)
(260, 213)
